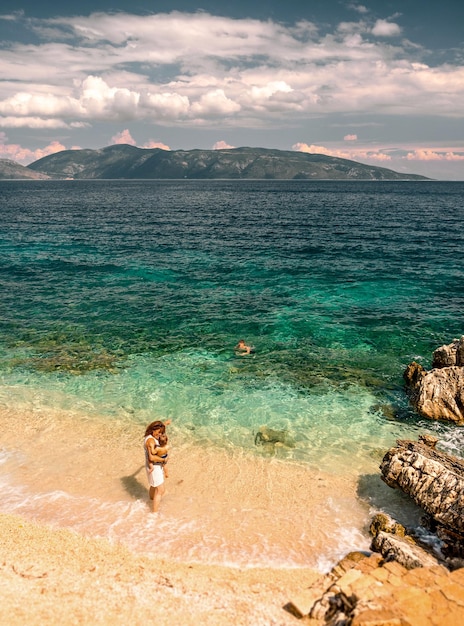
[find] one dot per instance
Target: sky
(380, 81)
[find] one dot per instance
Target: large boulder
(451, 354)
(439, 393)
(434, 479)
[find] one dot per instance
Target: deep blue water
(130, 295)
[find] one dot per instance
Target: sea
(121, 303)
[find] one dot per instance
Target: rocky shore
(368, 590)
(407, 579)
(416, 578)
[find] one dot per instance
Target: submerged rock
(271, 436)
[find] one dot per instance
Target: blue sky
(380, 82)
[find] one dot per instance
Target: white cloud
(30, 122)
(432, 155)
(99, 100)
(22, 155)
(45, 105)
(165, 105)
(384, 28)
(314, 149)
(214, 103)
(267, 91)
(360, 8)
(123, 137)
(221, 145)
(350, 137)
(354, 155)
(370, 155)
(199, 69)
(155, 144)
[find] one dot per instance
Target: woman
(155, 476)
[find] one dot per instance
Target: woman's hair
(151, 427)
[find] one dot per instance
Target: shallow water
(121, 303)
(224, 506)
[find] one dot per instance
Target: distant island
(128, 162)
(11, 170)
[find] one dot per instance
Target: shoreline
(80, 546)
(80, 552)
(55, 576)
(223, 507)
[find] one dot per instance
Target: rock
(266, 435)
(392, 542)
(437, 394)
(402, 550)
(413, 375)
(449, 355)
(383, 522)
(302, 603)
(435, 480)
(452, 546)
(428, 440)
(365, 590)
(376, 617)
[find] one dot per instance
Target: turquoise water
(133, 294)
(125, 300)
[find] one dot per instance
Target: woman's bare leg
(159, 493)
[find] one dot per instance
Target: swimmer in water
(243, 348)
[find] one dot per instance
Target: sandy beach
(237, 536)
(59, 577)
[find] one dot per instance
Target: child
(163, 451)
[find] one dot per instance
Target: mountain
(12, 170)
(124, 161)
